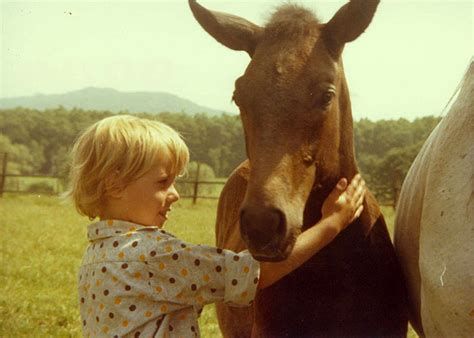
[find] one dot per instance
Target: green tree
(20, 159)
(385, 150)
(392, 169)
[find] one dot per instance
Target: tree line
(38, 142)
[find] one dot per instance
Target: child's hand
(341, 207)
(344, 203)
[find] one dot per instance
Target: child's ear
(114, 186)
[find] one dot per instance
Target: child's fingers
(360, 191)
(341, 185)
(338, 189)
(358, 212)
(360, 199)
(352, 187)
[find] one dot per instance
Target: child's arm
(340, 208)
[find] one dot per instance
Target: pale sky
(407, 64)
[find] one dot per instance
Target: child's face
(147, 200)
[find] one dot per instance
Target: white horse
(434, 227)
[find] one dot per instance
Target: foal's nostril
(261, 226)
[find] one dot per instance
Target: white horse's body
(434, 228)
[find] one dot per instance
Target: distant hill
(110, 99)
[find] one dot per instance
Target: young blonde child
(136, 279)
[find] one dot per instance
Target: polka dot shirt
(138, 281)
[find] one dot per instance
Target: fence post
(196, 183)
(4, 173)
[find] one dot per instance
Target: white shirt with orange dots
(140, 281)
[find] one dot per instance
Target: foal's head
(295, 111)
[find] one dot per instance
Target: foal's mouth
(274, 252)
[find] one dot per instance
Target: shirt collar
(111, 228)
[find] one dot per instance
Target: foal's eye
(327, 97)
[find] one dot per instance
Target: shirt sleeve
(197, 275)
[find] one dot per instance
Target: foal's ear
(348, 23)
(230, 30)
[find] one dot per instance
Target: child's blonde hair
(117, 150)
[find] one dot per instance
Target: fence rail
(54, 185)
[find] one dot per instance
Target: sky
(407, 64)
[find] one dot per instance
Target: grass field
(41, 249)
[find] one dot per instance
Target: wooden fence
(53, 185)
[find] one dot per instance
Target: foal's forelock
(289, 22)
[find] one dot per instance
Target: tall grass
(42, 241)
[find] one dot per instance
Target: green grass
(41, 248)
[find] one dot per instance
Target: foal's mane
(290, 21)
